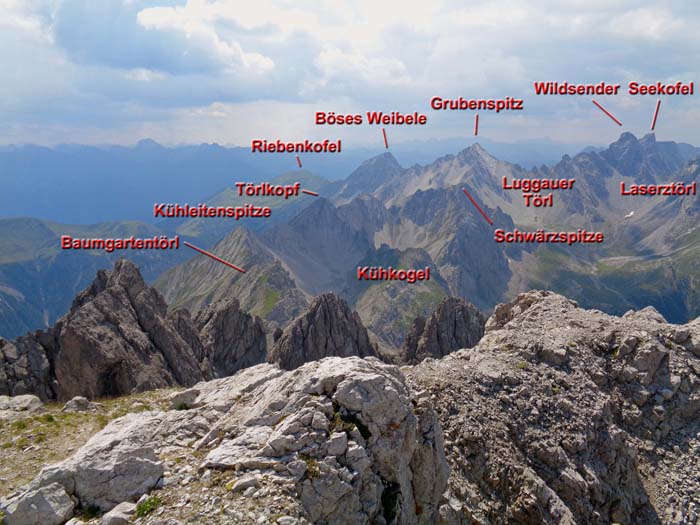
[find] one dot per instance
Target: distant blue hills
(77, 184)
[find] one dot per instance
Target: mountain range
(383, 214)
(272, 395)
(81, 184)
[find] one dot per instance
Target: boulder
(117, 464)
(22, 403)
(44, 505)
(122, 514)
(80, 404)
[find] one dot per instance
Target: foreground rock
(81, 404)
(45, 505)
(334, 441)
(19, 406)
(329, 328)
(119, 338)
(455, 324)
(122, 514)
(563, 415)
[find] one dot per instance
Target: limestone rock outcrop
(25, 367)
(567, 415)
(559, 415)
(334, 441)
(328, 328)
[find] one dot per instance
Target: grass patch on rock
(147, 506)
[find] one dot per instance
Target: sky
(228, 71)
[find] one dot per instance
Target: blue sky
(116, 71)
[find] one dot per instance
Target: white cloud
(223, 67)
(143, 75)
(337, 64)
(199, 33)
(653, 23)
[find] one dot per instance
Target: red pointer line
(213, 257)
(298, 161)
(386, 144)
(477, 206)
(310, 193)
(607, 113)
(656, 114)
(476, 124)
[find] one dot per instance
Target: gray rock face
(120, 338)
(455, 324)
(119, 515)
(80, 404)
(25, 367)
(232, 339)
(117, 339)
(340, 440)
(565, 415)
(23, 405)
(46, 505)
(329, 328)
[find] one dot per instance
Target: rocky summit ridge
(119, 337)
(557, 415)
(566, 415)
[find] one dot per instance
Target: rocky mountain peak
(241, 237)
(626, 137)
(369, 176)
(645, 159)
(241, 246)
(328, 328)
(321, 210)
(382, 161)
(119, 338)
(648, 139)
(232, 339)
(125, 275)
(128, 276)
(625, 143)
(474, 153)
(455, 324)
